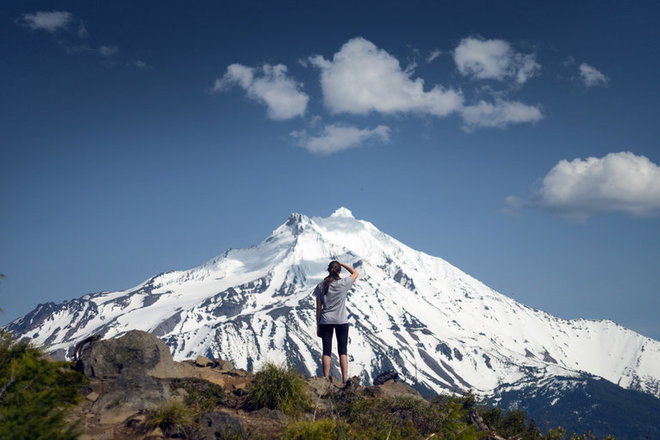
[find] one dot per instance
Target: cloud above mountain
(494, 59)
(361, 78)
(69, 32)
(49, 21)
(591, 76)
(336, 137)
(269, 85)
(581, 188)
(498, 114)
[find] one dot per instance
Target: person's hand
(318, 331)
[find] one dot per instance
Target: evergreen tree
(34, 392)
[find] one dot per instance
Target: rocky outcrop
(108, 358)
(131, 392)
(133, 377)
(135, 350)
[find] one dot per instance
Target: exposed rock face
(132, 391)
(135, 350)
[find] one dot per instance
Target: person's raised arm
(354, 273)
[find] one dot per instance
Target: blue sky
(516, 140)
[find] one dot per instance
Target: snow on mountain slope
(409, 311)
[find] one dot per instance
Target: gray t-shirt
(333, 310)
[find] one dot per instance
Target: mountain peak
(294, 218)
(342, 212)
(296, 222)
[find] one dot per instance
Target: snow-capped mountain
(437, 326)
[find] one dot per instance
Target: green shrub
(202, 396)
(405, 418)
(173, 415)
(35, 393)
(279, 388)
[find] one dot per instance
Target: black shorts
(326, 336)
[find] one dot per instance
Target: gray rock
(385, 376)
(352, 383)
(238, 372)
(135, 350)
(203, 361)
(273, 414)
(221, 425)
(132, 391)
(224, 365)
(393, 388)
(58, 355)
(320, 386)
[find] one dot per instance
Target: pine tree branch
(7, 385)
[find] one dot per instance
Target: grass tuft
(172, 416)
(277, 387)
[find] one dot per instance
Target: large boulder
(134, 350)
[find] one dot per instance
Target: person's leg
(343, 364)
(326, 366)
(326, 337)
(342, 346)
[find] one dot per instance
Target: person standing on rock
(331, 314)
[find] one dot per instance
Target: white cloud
(49, 21)
(591, 76)
(336, 138)
(108, 51)
(579, 189)
(362, 78)
(142, 65)
(269, 85)
(500, 114)
(494, 59)
(433, 55)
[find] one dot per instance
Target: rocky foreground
(132, 377)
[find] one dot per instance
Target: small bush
(172, 416)
(202, 395)
(279, 388)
